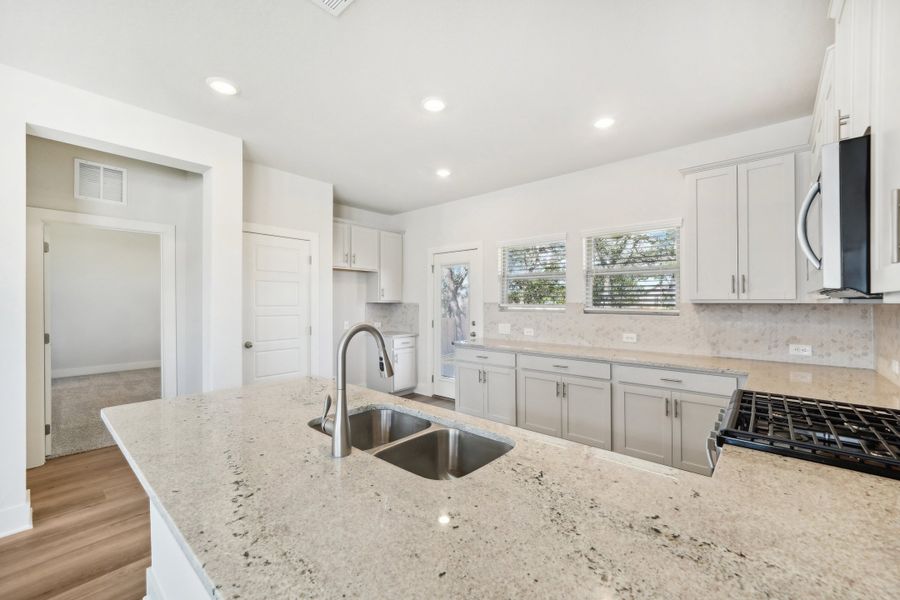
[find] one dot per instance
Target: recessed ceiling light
(604, 122)
(223, 86)
(433, 104)
(443, 173)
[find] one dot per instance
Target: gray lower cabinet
(487, 391)
(693, 416)
(575, 408)
(665, 426)
(642, 426)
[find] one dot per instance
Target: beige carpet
(77, 402)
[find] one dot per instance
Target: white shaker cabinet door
(768, 263)
(500, 395)
(539, 402)
(587, 417)
(714, 220)
(693, 418)
(390, 267)
(642, 425)
(363, 248)
(469, 389)
(341, 245)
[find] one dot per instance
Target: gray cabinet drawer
(565, 366)
(721, 385)
(489, 357)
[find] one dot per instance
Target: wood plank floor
(440, 401)
(91, 535)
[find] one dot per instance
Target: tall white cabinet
(742, 217)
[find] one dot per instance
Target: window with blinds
(634, 271)
(533, 274)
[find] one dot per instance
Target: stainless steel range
(864, 438)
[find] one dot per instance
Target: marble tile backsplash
(394, 317)
(887, 339)
(840, 334)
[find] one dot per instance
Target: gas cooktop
(864, 438)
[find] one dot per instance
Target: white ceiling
(338, 99)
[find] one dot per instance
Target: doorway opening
(102, 295)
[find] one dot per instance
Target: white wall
(155, 193)
(638, 190)
(104, 299)
(29, 103)
(281, 199)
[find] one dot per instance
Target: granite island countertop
(856, 386)
(254, 496)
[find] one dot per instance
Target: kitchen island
(247, 502)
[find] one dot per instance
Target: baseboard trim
(15, 519)
(98, 369)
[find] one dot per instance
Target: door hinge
(432, 268)
(432, 379)
(47, 429)
(310, 259)
(46, 247)
(46, 338)
(310, 329)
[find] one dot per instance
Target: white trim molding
(111, 368)
(635, 227)
(14, 519)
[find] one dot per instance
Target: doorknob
(248, 344)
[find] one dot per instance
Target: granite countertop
(264, 511)
(857, 386)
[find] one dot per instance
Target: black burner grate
(865, 438)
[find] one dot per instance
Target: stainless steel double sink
(420, 446)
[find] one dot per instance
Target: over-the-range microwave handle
(802, 233)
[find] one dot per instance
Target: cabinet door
(538, 405)
(390, 267)
(500, 395)
(694, 416)
(642, 423)
(853, 51)
(766, 218)
(714, 217)
(587, 417)
(404, 368)
(363, 248)
(341, 245)
(469, 390)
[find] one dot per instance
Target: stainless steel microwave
(843, 187)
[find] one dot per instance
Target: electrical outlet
(800, 349)
(528, 331)
(801, 377)
(631, 338)
(895, 367)
(504, 328)
(377, 324)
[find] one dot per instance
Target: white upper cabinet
(743, 222)
(766, 256)
(363, 248)
(853, 34)
(390, 268)
(341, 245)
(714, 212)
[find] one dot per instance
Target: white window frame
(103, 167)
(502, 278)
(589, 273)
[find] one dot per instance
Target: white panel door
(714, 217)
(277, 331)
(766, 201)
(363, 248)
(456, 311)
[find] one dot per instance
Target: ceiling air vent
(334, 7)
(94, 181)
